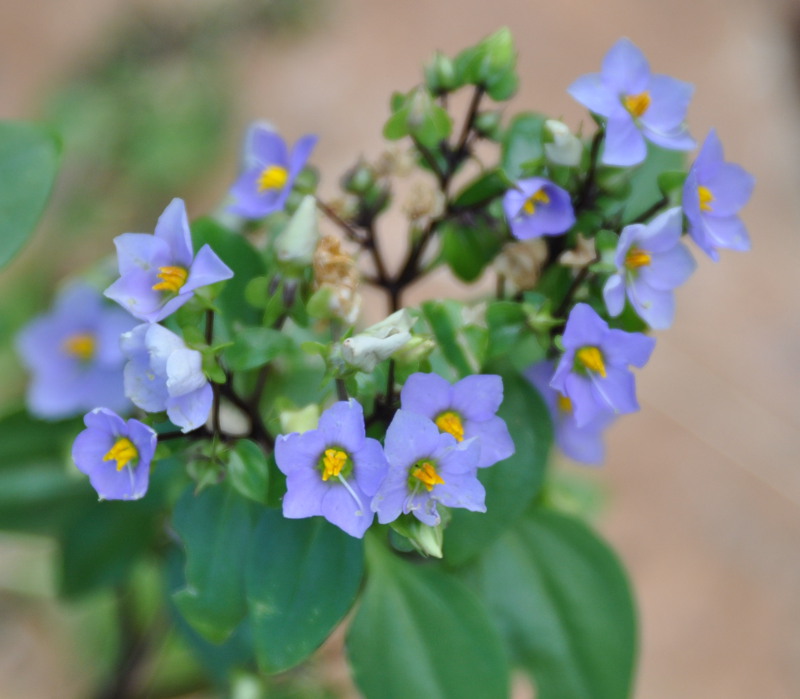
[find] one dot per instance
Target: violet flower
(159, 273)
(115, 454)
(637, 105)
(332, 471)
(162, 373)
(537, 207)
(593, 371)
(651, 262)
(74, 356)
(464, 410)
(269, 172)
(427, 467)
(713, 193)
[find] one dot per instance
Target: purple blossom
(464, 410)
(713, 193)
(427, 467)
(74, 356)
(651, 262)
(593, 371)
(537, 207)
(637, 105)
(584, 444)
(332, 471)
(269, 172)
(162, 373)
(159, 273)
(115, 454)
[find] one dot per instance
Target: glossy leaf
(469, 248)
(522, 143)
(444, 327)
(248, 470)
(644, 181)
(254, 347)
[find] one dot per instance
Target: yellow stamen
(123, 452)
(637, 258)
(706, 197)
(426, 473)
(272, 177)
(172, 279)
(637, 104)
(540, 197)
(592, 359)
(451, 423)
(81, 345)
(332, 463)
(564, 403)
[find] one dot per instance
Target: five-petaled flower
(115, 454)
(159, 273)
(332, 471)
(464, 410)
(637, 105)
(427, 467)
(651, 262)
(73, 353)
(536, 207)
(713, 193)
(268, 172)
(593, 371)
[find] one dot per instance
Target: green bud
(496, 56)
(359, 179)
(440, 75)
(296, 244)
(487, 124)
(425, 539)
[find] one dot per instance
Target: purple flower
(162, 373)
(332, 471)
(536, 207)
(269, 172)
(464, 410)
(637, 105)
(426, 467)
(713, 193)
(159, 273)
(651, 262)
(74, 356)
(584, 444)
(115, 454)
(593, 371)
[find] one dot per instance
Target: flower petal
(624, 143)
(625, 68)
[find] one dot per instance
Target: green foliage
(523, 144)
(254, 347)
(470, 246)
(248, 470)
(647, 181)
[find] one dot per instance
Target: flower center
(80, 345)
(123, 452)
(272, 177)
(564, 403)
(450, 422)
(637, 258)
(591, 358)
(332, 463)
(172, 279)
(538, 197)
(637, 104)
(425, 472)
(706, 197)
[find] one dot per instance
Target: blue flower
(536, 207)
(74, 356)
(637, 105)
(332, 471)
(713, 193)
(651, 262)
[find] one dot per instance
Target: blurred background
(701, 490)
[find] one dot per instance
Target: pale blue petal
(624, 143)
(173, 228)
(625, 68)
(614, 294)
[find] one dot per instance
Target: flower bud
(296, 244)
(562, 148)
(378, 342)
(358, 179)
(440, 74)
(487, 124)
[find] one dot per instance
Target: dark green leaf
(248, 470)
(486, 186)
(254, 347)
(504, 87)
(396, 127)
(469, 248)
(444, 327)
(523, 142)
(644, 181)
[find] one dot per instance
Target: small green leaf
(396, 127)
(444, 328)
(248, 470)
(523, 142)
(469, 248)
(504, 87)
(670, 183)
(255, 347)
(486, 186)
(644, 181)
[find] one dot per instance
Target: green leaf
(215, 527)
(512, 484)
(670, 183)
(29, 158)
(440, 317)
(396, 126)
(248, 470)
(469, 248)
(563, 604)
(422, 633)
(523, 142)
(644, 181)
(483, 188)
(302, 578)
(254, 347)
(504, 87)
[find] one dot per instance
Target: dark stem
(214, 386)
(472, 112)
(586, 193)
(654, 209)
(349, 230)
(390, 384)
(428, 158)
(580, 277)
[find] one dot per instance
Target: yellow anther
(637, 104)
(332, 463)
(450, 422)
(81, 345)
(272, 177)
(706, 197)
(637, 258)
(592, 359)
(564, 403)
(172, 279)
(538, 197)
(123, 452)
(426, 473)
